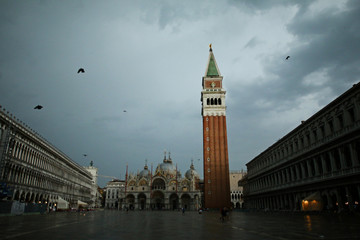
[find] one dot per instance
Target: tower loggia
(215, 147)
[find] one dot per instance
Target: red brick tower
(215, 148)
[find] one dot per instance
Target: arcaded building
(163, 189)
(315, 166)
(32, 170)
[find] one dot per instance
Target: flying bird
(287, 58)
(84, 155)
(38, 107)
(124, 111)
(81, 70)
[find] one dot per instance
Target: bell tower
(215, 148)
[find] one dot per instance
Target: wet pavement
(107, 224)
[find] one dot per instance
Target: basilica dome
(167, 167)
(144, 173)
(191, 173)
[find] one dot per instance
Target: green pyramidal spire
(212, 70)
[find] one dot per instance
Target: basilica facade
(163, 189)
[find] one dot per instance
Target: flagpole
(151, 175)
(126, 177)
(176, 180)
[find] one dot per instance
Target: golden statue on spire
(210, 45)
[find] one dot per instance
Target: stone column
(332, 161)
(136, 205)
(302, 170)
(342, 158)
(308, 166)
(354, 154)
(287, 172)
(281, 202)
(293, 173)
(283, 179)
(316, 166)
(329, 200)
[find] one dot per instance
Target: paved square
(174, 225)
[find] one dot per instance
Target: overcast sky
(149, 57)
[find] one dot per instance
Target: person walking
(223, 214)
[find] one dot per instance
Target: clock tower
(215, 148)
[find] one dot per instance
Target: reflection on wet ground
(169, 225)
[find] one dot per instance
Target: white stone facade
(236, 189)
(115, 191)
(94, 187)
(213, 101)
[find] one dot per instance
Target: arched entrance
(174, 201)
(17, 195)
(158, 183)
(142, 201)
(130, 201)
(158, 201)
(185, 201)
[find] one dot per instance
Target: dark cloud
(325, 42)
(260, 6)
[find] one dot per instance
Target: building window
(315, 135)
(208, 159)
(351, 115)
(341, 121)
(322, 130)
(208, 170)
(208, 149)
(331, 126)
(308, 139)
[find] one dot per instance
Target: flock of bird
(39, 107)
(82, 70)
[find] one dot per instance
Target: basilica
(164, 189)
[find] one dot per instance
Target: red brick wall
(208, 84)
(218, 164)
